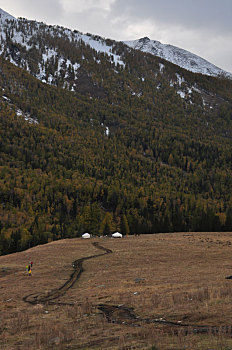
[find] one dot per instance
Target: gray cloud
(50, 11)
(94, 20)
(208, 14)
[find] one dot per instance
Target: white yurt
(117, 235)
(86, 235)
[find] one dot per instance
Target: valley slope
(105, 137)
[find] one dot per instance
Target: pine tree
(106, 225)
(125, 230)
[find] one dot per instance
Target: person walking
(29, 272)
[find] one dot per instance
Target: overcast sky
(203, 27)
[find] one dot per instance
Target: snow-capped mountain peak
(178, 56)
(5, 16)
(59, 56)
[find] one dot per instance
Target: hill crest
(178, 56)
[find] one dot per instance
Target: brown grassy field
(174, 277)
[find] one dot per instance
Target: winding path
(40, 298)
(118, 314)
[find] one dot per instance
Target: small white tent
(117, 235)
(85, 235)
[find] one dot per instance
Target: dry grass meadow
(176, 277)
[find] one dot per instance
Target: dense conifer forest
(124, 151)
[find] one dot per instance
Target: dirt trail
(40, 298)
(126, 316)
(119, 314)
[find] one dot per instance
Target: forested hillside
(140, 147)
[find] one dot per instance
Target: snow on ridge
(6, 16)
(29, 40)
(98, 45)
(178, 56)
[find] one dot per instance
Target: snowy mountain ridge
(5, 16)
(58, 56)
(178, 56)
(20, 39)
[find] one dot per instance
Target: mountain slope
(180, 57)
(54, 54)
(106, 143)
(71, 60)
(87, 63)
(6, 17)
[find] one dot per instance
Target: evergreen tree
(124, 227)
(106, 225)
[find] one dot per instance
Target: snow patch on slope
(100, 46)
(27, 117)
(19, 112)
